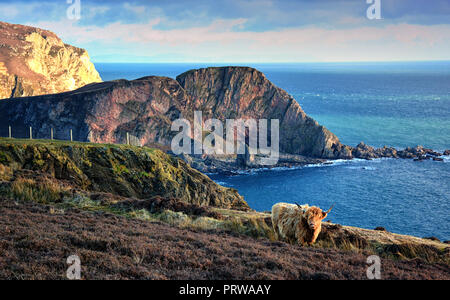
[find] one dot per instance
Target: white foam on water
(330, 163)
(225, 184)
(339, 162)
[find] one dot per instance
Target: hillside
(37, 62)
(36, 241)
(124, 171)
(137, 213)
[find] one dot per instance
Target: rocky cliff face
(244, 93)
(36, 62)
(100, 113)
(146, 107)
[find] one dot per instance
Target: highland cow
(297, 224)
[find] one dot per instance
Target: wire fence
(67, 135)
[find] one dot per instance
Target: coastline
(232, 169)
(361, 188)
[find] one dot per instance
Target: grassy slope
(117, 169)
(35, 241)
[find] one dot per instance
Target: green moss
(4, 158)
(120, 169)
(31, 191)
(39, 163)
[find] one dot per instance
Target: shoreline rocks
(363, 151)
(232, 166)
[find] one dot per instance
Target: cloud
(245, 30)
(221, 40)
(9, 11)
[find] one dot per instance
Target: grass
(5, 172)
(60, 199)
(56, 142)
(50, 192)
(59, 143)
(44, 192)
(113, 247)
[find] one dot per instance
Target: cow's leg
(275, 230)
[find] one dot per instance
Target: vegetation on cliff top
(126, 171)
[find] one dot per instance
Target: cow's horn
(330, 209)
(298, 205)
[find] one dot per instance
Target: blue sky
(244, 30)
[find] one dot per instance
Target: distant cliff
(240, 92)
(146, 107)
(36, 62)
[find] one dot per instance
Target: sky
(257, 31)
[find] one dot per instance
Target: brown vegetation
(36, 240)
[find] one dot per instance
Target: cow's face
(314, 216)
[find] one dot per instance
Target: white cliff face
(36, 62)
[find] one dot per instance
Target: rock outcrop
(417, 153)
(146, 107)
(36, 62)
(245, 93)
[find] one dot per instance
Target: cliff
(246, 93)
(33, 168)
(146, 107)
(36, 62)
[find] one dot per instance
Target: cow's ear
(324, 215)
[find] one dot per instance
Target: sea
(397, 104)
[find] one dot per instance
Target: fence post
(31, 133)
(51, 134)
(10, 132)
(71, 135)
(128, 139)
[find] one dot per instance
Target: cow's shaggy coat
(297, 224)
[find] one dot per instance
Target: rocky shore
(234, 165)
(364, 151)
(147, 107)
